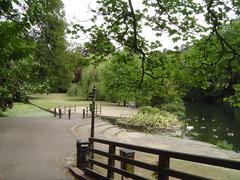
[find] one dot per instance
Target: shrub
(149, 109)
(1, 114)
(224, 145)
(75, 90)
(160, 119)
(176, 107)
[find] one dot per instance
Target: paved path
(35, 148)
(105, 130)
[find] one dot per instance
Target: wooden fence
(162, 169)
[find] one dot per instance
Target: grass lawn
(25, 110)
(57, 99)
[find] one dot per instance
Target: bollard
(83, 113)
(100, 109)
(60, 113)
(75, 108)
(69, 114)
(127, 153)
(55, 112)
(87, 111)
(82, 154)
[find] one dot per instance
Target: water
(213, 122)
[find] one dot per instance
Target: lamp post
(92, 108)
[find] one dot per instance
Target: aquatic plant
(224, 145)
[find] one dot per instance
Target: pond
(213, 122)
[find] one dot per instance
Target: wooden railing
(162, 169)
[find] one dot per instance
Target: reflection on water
(213, 122)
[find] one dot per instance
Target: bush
(1, 114)
(175, 107)
(74, 90)
(149, 109)
(225, 145)
(160, 119)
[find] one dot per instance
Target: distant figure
(132, 104)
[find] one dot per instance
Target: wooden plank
(79, 174)
(119, 171)
(111, 161)
(94, 174)
(169, 172)
(177, 155)
(182, 175)
(164, 163)
(126, 160)
(127, 174)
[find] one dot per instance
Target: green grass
(57, 99)
(25, 110)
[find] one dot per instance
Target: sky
(78, 10)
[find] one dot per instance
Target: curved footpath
(40, 148)
(104, 129)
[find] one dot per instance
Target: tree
(123, 24)
(32, 49)
(48, 28)
(15, 50)
(208, 68)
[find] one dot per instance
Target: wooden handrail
(177, 155)
(162, 168)
(169, 172)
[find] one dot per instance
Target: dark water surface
(213, 122)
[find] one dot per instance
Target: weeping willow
(90, 76)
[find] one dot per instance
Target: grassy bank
(25, 110)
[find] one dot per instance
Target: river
(213, 122)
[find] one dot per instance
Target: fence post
(55, 112)
(87, 111)
(82, 154)
(69, 114)
(163, 162)
(111, 161)
(60, 113)
(127, 153)
(83, 113)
